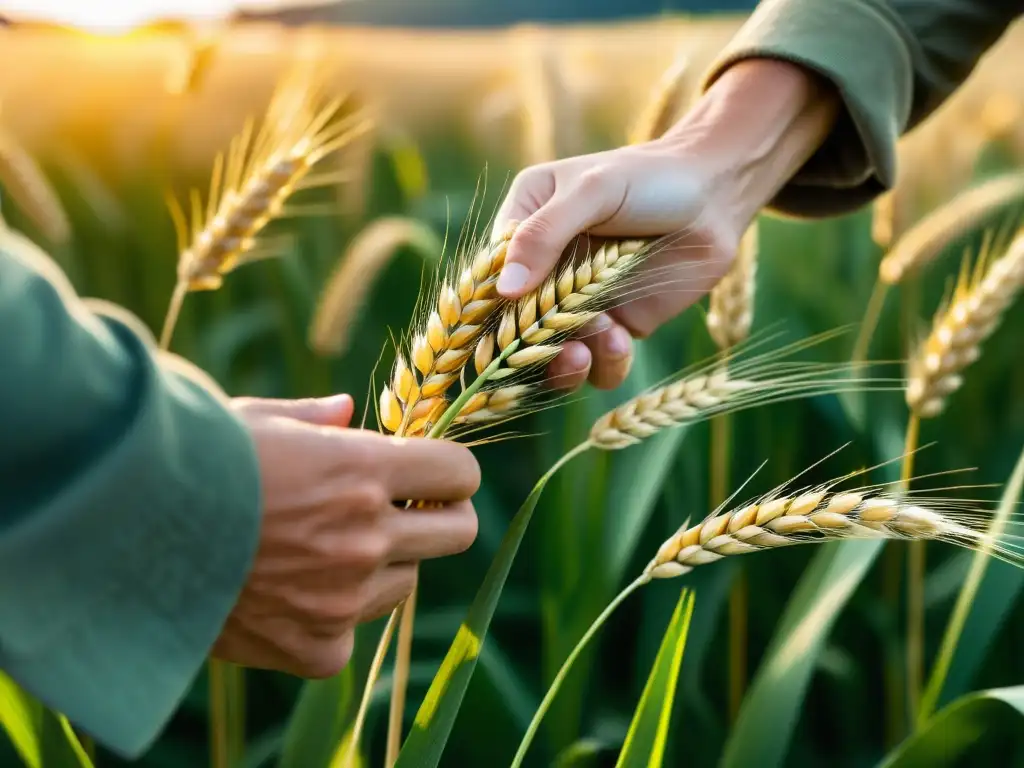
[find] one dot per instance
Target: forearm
(755, 127)
(892, 63)
(129, 513)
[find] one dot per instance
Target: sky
(113, 16)
(121, 15)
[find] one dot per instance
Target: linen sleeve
(893, 64)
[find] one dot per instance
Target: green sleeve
(129, 508)
(893, 63)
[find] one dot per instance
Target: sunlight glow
(118, 16)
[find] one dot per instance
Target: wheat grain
(731, 308)
(961, 326)
(249, 188)
(729, 384)
(820, 515)
(353, 279)
(924, 241)
(567, 300)
(24, 182)
(415, 396)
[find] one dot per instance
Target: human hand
(645, 191)
(696, 189)
(334, 549)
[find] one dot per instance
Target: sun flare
(114, 16)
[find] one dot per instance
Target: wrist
(753, 129)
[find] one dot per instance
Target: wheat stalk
(249, 187)
(26, 184)
(961, 326)
(505, 339)
(730, 316)
(807, 516)
(731, 303)
(923, 242)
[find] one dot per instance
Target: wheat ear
(727, 384)
(961, 326)
(923, 242)
(26, 184)
(249, 187)
(819, 515)
(415, 396)
(531, 331)
(731, 304)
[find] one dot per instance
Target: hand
(334, 549)
(643, 191)
(697, 188)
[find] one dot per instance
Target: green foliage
(961, 726)
(645, 742)
(41, 737)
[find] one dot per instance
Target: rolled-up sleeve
(129, 508)
(892, 63)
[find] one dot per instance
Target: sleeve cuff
(857, 161)
(115, 587)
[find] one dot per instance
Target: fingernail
(618, 342)
(513, 278)
(600, 324)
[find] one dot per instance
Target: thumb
(539, 241)
(333, 411)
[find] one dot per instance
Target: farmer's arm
(893, 63)
(129, 509)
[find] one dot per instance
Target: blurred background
(103, 110)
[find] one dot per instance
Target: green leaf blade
(440, 707)
(947, 736)
(317, 723)
(645, 741)
(773, 703)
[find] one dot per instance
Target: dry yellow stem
(665, 103)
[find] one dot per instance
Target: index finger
(428, 470)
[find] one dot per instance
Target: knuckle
(593, 179)
(368, 552)
(367, 498)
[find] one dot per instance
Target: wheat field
(798, 656)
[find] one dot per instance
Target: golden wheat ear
(981, 297)
(252, 181)
(820, 514)
(733, 381)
